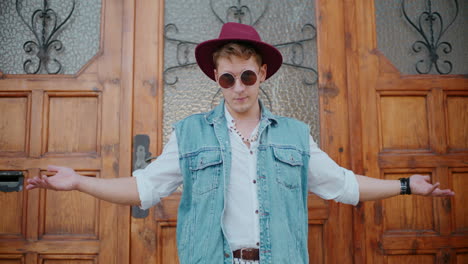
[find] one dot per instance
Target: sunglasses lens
(249, 77)
(226, 80)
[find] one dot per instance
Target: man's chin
(240, 107)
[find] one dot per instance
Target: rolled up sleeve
(330, 181)
(161, 177)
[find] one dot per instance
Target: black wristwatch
(405, 186)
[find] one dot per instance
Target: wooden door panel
(457, 121)
(14, 121)
(166, 225)
(11, 259)
(316, 243)
(462, 257)
(412, 259)
(65, 259)
(73, 215)
(459, 183)
(71, 122)
(407, 125)
(168, 250)
(11, 221)
(403, 122)
(70, 215)
(407, 214)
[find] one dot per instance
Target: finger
(427, 178)
(34, 180)
(45, 179)
(30, 187)
(433, 188)
(446, 192)
(31, 184)
(439, 192)
(37, 184)
(53, 168)
(40, 182)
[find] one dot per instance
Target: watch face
(404, 189)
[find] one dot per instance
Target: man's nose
(238, 86)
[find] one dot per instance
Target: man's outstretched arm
(376, 189)
(117, 190)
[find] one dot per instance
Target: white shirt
(241, 224)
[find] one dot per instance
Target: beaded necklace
(244, 139)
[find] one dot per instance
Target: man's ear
(216, 75)
(263, 71)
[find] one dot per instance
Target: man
(246, 172)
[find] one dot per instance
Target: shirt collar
(219, 113)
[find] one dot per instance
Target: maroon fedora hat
(232, 32)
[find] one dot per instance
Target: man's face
(241, 100)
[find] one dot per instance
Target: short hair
(242, 50)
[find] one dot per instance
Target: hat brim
(204, 55)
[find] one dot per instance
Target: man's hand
(65, 179)
(116, 190)
(371, 189)
(421, 185)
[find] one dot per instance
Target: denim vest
(205, 163)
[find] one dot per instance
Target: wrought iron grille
(424, 36)
(45, 26)
(48, 36)
(430, 26)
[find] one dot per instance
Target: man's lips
(240, 99)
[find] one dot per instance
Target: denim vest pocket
(288, 163)
(206, 168)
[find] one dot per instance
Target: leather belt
(247, 254)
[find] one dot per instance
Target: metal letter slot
(11, 181)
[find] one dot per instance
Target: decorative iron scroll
(236, 13)
(430, 26)
(46, 38)
(297, 58)
(183, 50)
(241, 14)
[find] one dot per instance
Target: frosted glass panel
(71, 46)
(424, 36)
(289, 25)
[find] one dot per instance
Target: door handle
(141, 155)
(11, 181)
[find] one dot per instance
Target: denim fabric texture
(205, 162)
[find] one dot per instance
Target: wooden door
(153, 239)
(406, 125)
(76, 121)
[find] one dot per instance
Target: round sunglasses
(247, 77)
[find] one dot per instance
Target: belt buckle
(242, 252)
